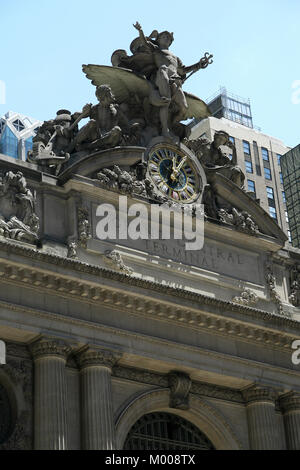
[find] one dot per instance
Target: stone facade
(105, 331)
(183, 336)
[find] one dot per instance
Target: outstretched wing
(196, 108)
(124, 83)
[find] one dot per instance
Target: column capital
(50, 347)
(98, 357)
(256, 393)
(290, 402)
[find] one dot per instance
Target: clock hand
(176, 171)
(181, 163)
(174, 164)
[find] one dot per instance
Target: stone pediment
(87, 165)
(229, 193)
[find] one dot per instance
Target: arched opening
(6, 416)
(166, 431)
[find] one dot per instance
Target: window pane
(246, 146)
(249, 167)
(251, 186)
(270, 192)
(281, 178)
(265, 154)
(268, 175)
(273, 212)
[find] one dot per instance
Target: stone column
(98, 428)
(262, 425)
(290, 405)
(50, 394)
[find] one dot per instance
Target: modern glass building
(290, 167)
(232, 107)
(16, 133)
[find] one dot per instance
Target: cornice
(156, 342)
(84, 290)
(138, 305)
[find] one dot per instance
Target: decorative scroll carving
(18, 219)
(72, 249)
(246, 298)
(133, 182)
(241, 220)
(294, 297)
(271, 283)
(180, 385)
(84, 231)
(114, 260)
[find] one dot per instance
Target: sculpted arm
(142, 36)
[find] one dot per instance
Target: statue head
(221, 138)
(63, 117)
(104, 94)
(165, 39)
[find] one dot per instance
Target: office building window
(281, 178)
(249, 167)
(2, 125)
(286, 217)
(268, 174)
(270, 193)
(19, 125)
(9, 143)
(251, 186)
(290, 236)
(273, 212)
(265, 154)
(246, 146)
(279, 159)
(283, 197)
(232, 139)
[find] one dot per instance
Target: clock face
(174, 174)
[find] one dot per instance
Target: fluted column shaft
(50, 395)
(290, 405)
(98, 431)
(262, 426)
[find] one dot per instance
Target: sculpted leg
(180, 100)
(88, 133)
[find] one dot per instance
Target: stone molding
(256, 394)
(180, 386)
(30, 276)
(154, 341)
(162, 380)
(103, 358)
(48, 347)
(290, 402)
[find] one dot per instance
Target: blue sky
(255, 44)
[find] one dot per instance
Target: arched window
(5, 415)
(165, 431)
